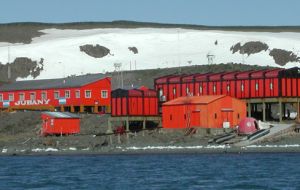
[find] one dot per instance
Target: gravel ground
(19, 134)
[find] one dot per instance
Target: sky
(200, 12)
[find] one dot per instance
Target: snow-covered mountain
(146, 48)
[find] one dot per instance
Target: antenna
(119, 72)
(8, 64)
(210, 58)
(178, 49)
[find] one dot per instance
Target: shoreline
(154, 150)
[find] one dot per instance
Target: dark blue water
(201, 171)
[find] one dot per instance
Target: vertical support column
(96, 109)
(62, 108)
(264, 110)
(109, 128)
(81, 109)
(249, 109)
(72, 109)
(280, 110)
(127, 128)
(298, 109)
(144, 126)
(109, 131)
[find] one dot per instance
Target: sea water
(161, 171)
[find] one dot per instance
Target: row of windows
(32, 95)
(215, 88)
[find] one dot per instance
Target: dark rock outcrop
(282, 57)
(249, 48)
(21, 67)
(133, 49)
(96, 51)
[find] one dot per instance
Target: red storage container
(134, 102)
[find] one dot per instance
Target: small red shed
(214, 111)
(60, 123)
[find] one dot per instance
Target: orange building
(214, 111)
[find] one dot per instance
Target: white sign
(32, 102)
(62, 101)
(6, 104)
(226, 124)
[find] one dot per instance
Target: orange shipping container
(213, 111)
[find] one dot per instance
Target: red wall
(141, 103)
(210, 115)
(95, 87)
(60, 125)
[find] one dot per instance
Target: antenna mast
(119, 72)
(210, 58)
(8, 64)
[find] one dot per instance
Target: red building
(247, 84)
(203, 112)
(87, 93)
(60, 123)
(134, 102)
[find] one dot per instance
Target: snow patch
(158, 48)
(273, 146)
(173, 147)
(4, 150)
(44, 150)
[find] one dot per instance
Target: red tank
(247, 126)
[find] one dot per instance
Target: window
(21, 97)
(171, 117)
(256, 86)
(214, 88)
(1, 97)
(11, 97)
(242, 87)
(187, 90)
(215, 116)
(200, 89)
(161, 92)
(238, 116)
(77, 93)
(174, 91)
(56, 95)
(88, 94)
(104, 94)
(67, 94)
(32, 95)
(44, 95)
(228, 87)
(271, 86)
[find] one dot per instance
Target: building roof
(194, 100)
(69, 82)
(61, 115)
